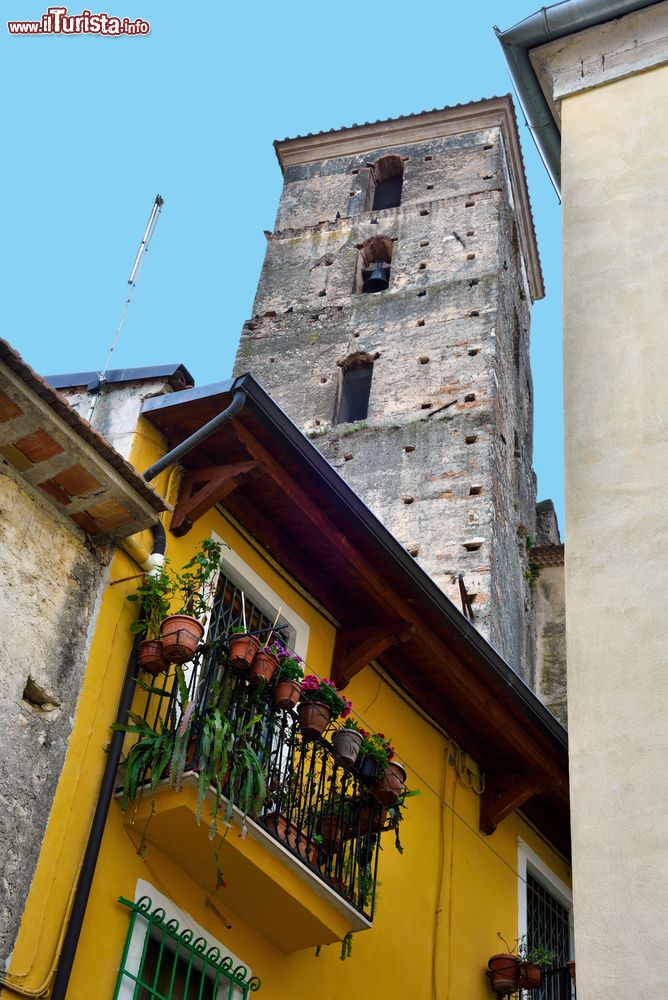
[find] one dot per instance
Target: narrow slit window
(355, 389)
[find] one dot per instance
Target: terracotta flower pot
(503, 972)
(346, 744)
(243, 649)
(150, 656)
(291, 835)
(314, 717)
(286, 694)
(334, 830)
(180, 636)
(387, 788)
(570, 965)
(263, 666)
(529, 977)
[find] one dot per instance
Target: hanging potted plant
(570, 965)
(321, 704)
(265, 661)
(154, 594)
(532, 962)
(346, 742)
(243, 646)
(390, 775)
(287, 689)
(181, 632)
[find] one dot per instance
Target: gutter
(546, 25)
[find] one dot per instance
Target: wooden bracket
(202, 489)
(355, 647)
(505, 794)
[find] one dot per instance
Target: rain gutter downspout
(197, 437)
(546, 25)
(153, 565)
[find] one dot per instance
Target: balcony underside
(267, 886)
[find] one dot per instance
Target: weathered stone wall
(444, 455)
(51, 581)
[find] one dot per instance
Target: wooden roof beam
(460, 676)
(215, 483)
(355, 648)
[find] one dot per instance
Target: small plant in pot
(154, 594)
(243, 647)
(321, 704)
(265, 662)
(287, 689)
(385, 775)
(195, 585)
(347, 741)
(532, 961)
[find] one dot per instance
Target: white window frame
(528, 862)
(172, 912)
(262, 594)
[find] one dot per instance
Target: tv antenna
(132, 282)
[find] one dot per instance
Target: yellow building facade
(438, 906)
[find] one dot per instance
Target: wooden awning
(270, 477)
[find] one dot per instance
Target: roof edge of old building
(546, 25)
(81, 427)
(421, 126)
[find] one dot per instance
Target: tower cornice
(373, 137)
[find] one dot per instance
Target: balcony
(304, 869)
(556, 984)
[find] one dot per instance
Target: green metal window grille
(175, 964)
(548, 924)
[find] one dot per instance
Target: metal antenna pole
(132, 281)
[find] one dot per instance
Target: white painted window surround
(529, 862)
(172, 911)
(264, 597)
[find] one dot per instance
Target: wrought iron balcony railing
(556, 984)
(322, 813)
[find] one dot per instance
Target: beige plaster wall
(614, 158)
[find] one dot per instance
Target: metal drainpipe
(197, 437)
(154, 562)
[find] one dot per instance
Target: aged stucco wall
(614, 154)
(444, 455)
(116, 409)
(51, 581)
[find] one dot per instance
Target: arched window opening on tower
(374, 264)
(386, 182)
(354, 389)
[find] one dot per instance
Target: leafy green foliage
(195, 584)
(155, 594)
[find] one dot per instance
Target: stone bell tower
(391, 323)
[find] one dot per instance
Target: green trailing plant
(156, 749)
(227, 759)
(195, 584)
(155, 594)
(347, 946)
(396, 815)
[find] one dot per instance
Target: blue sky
(95, 127)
